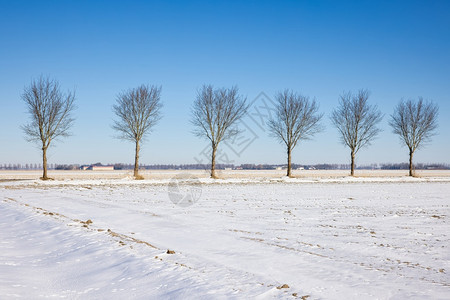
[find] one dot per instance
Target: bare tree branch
(296, 118)
(415, 123)
(213, 114)
(356, 122)
(138, 111)
(50, 112)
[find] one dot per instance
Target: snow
(326, 238)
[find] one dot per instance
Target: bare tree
(138, 110)
(214, 113)
(296, 118)
(356, 121)
(50, 112)
(415, 123)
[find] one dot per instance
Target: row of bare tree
(216, 111)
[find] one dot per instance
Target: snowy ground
(330, 238)
(253, 175)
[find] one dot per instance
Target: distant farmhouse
(97, 167)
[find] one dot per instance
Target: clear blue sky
(396, 49)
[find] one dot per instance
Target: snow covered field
(225, 174)
(326, 238)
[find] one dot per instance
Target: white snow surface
(342, 238)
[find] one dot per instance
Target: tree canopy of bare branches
(356, 121)
(50, 112)
(415, 122)
(138, 110)
(214, 113)
(296, 118)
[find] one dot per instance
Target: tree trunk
(136, 161)
(289, 162)
(213, 162)
(44, 163)
(352, 167)
(411, 166)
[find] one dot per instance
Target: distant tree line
(39, 166)
(294, 166)
(216, 111)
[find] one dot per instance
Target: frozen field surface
(337, 239)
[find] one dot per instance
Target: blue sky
(396, 49)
